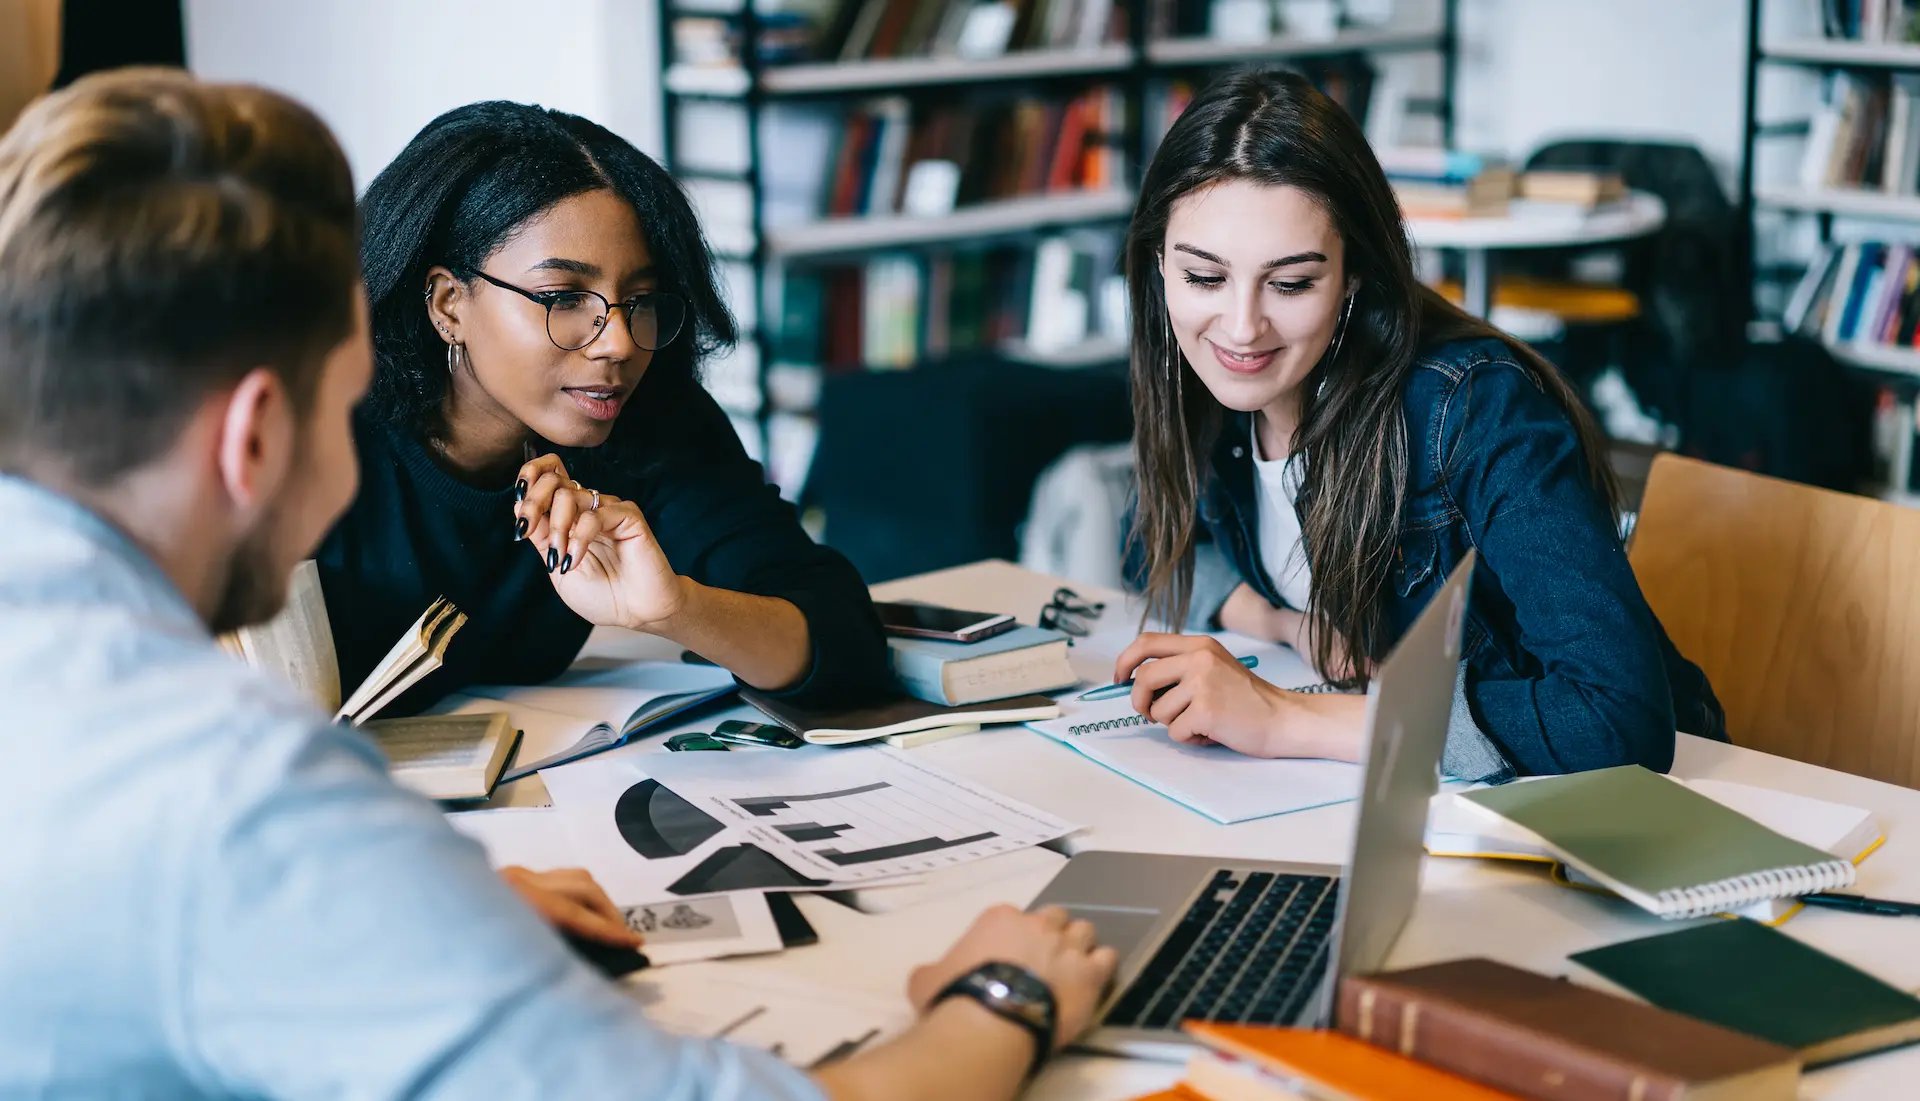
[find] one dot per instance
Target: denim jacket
(1566, 667)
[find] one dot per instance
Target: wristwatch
(1012, 993)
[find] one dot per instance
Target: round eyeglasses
(576, 319)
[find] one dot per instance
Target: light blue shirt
(206, 890)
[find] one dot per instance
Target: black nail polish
(520, 529)
(520, 490)
(553, 559)
(566, 563)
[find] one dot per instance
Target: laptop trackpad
(1125, 928)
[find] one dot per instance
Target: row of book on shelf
(893, 155)
(1864, 294)
(1865, 133)
(895, 310)
(1871, 20)
(827, 31)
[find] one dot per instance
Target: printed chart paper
(855, 815)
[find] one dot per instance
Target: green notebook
(1744, 976)
(1668, 850)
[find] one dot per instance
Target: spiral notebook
(1667, 849)
(1211, 779)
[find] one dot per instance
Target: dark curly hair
(464, 185)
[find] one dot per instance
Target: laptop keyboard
(1250, 950)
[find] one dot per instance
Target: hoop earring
(452, 349)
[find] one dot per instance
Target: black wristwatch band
(1015, 994)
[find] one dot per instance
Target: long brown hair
(1274, 128)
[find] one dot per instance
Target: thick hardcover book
(1548, 1039)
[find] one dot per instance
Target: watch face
(1020, 984)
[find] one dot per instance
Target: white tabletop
(1635, 216)
(1505, 911)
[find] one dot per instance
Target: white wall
(378, 70)
(1531, 71)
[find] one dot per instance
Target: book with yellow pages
(297, 645)
(446, 756)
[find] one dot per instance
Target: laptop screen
(1407, 711)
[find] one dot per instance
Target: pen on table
(1860, 904)
(1126, 686)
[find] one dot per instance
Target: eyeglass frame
(547, 299)
(1077, 611)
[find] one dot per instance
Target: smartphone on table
(946, 624)
(758, 735)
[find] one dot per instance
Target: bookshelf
(896, 73)
(1895, 361)
(746, 204)
(1842, 53)
(834, 236)
(1865, 70)
(1208, 51)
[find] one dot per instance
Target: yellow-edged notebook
(1847, 832)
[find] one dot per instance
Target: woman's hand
(1192, 686)
(604, 562)
(572, 902)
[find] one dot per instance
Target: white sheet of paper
(678, 930)
(856, 815)
(802, 1023)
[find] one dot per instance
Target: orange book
(1328, 1064)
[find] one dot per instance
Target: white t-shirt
(1276, 485)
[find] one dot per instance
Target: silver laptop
(1260, 942)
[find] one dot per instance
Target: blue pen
(1126, 686)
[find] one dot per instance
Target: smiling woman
(1341, 436)
(537, 447)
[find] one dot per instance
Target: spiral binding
(1726, 895)
(1109, 724)
(1141, 720)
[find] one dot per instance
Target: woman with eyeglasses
(1320, 440)
(536, 445)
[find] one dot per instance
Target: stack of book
(898, 309)
(1477, 1030)
(1871, 20)
(1578, 189)
(1445, 183)
(827, 31)
(1725, 1011)
(1865, 133)
(1865, 294)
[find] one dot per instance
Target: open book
(597, 705)
(297, 645)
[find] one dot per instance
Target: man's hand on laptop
(1059, 952)
(572, 902)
